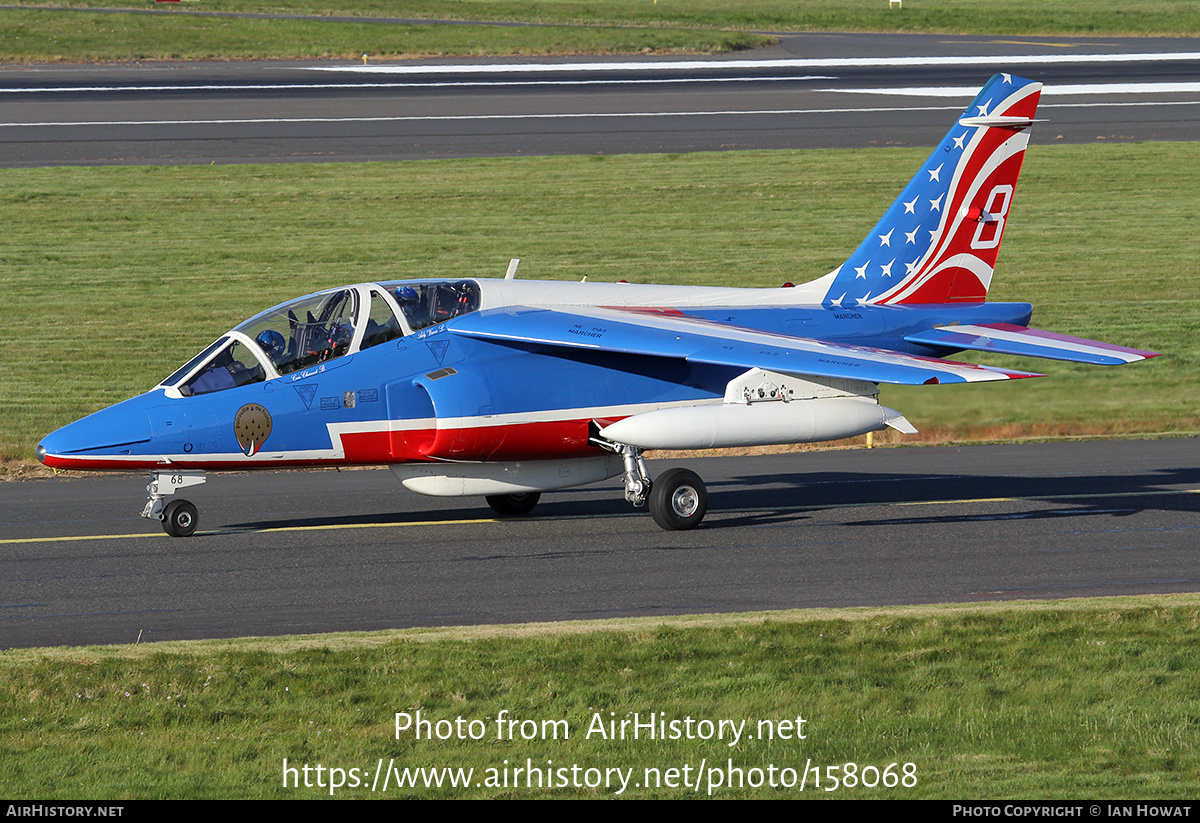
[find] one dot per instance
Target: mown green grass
(51, 36)
(944, 16)
(113, 277)
(1075, 699)
(574, 26)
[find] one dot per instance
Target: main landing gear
(179, 517)
(678, 499)
(511, 505)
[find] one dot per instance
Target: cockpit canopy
(317, 328)
(306, 331)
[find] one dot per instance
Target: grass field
(55, 36)
(1074, 699)
(115, 276)
(176, 31)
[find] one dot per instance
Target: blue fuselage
(437, 395)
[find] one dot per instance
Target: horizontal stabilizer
(1005, 338)
(996, 121)
(702, 341)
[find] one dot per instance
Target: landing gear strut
(678, 499)
(637, 478)
(179, 517)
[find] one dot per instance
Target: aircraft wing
(703, 341)
(1005, 338)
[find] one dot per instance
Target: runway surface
(301, 552)
(812, 91)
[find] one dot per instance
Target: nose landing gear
(179, 517)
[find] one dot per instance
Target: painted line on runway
(479, 520)
(1162, 87)
(1050, 497)
(790, 63)
(1051, 90)
(450, 117)
(568, 116)
(327, 527)
(659, 81)
(448, 84)
(1036, 43)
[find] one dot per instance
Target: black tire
(508, 505)
(180, 519)
(678, 500)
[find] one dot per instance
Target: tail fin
(938, 242)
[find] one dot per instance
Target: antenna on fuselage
(512, 268)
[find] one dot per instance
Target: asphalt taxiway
(302, 552)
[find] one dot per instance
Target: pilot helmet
(406, 294)
(271, 342)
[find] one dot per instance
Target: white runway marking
(451, 117)
(793, 63)
(561, 116)
(1048, 90)
(581, 115)
(417, 85)
(906, 91)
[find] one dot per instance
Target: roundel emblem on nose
(251, 426)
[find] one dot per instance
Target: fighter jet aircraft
(509, 388)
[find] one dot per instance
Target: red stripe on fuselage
(544, 440)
